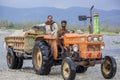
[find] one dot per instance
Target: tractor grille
(93, 47)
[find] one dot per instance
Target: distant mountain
(70, 14)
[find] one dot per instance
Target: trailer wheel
(20, 62)
(108, 67)
(81, 69)
(41, 58)
(68, 69)
(11, 59)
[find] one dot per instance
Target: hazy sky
(99, 4)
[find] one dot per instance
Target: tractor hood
(73, 35)
(75, 38)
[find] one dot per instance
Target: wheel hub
(38, 58)
(106, 67)
(66, 70)
(9, 58)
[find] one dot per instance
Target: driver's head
(63, 24)
(49, 18)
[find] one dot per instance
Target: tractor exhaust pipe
(84, 17)
(91, 24)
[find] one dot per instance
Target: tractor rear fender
(52, 42)
(39, 38)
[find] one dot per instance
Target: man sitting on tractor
(51, 26)
(61, 32)
(63, 29)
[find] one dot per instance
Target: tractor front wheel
(108, 67)
(68, 69)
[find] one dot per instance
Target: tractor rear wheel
(81, 69)
(68, 69)
(41, 58)
(108, 67)
(11, 59)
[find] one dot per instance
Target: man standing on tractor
(51, 26)
(63, 29)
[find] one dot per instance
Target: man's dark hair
(64, 21)
(49, 16)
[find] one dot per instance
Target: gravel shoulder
(27, 73)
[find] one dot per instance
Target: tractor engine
(83, 46)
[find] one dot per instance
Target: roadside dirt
(27, 72)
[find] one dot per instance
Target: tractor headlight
(102, 47)
(89, 38)
(100, 38)
(75, 47)
(95, 39)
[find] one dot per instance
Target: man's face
(63, 25)
(49, 18)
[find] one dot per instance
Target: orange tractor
(75, 55)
